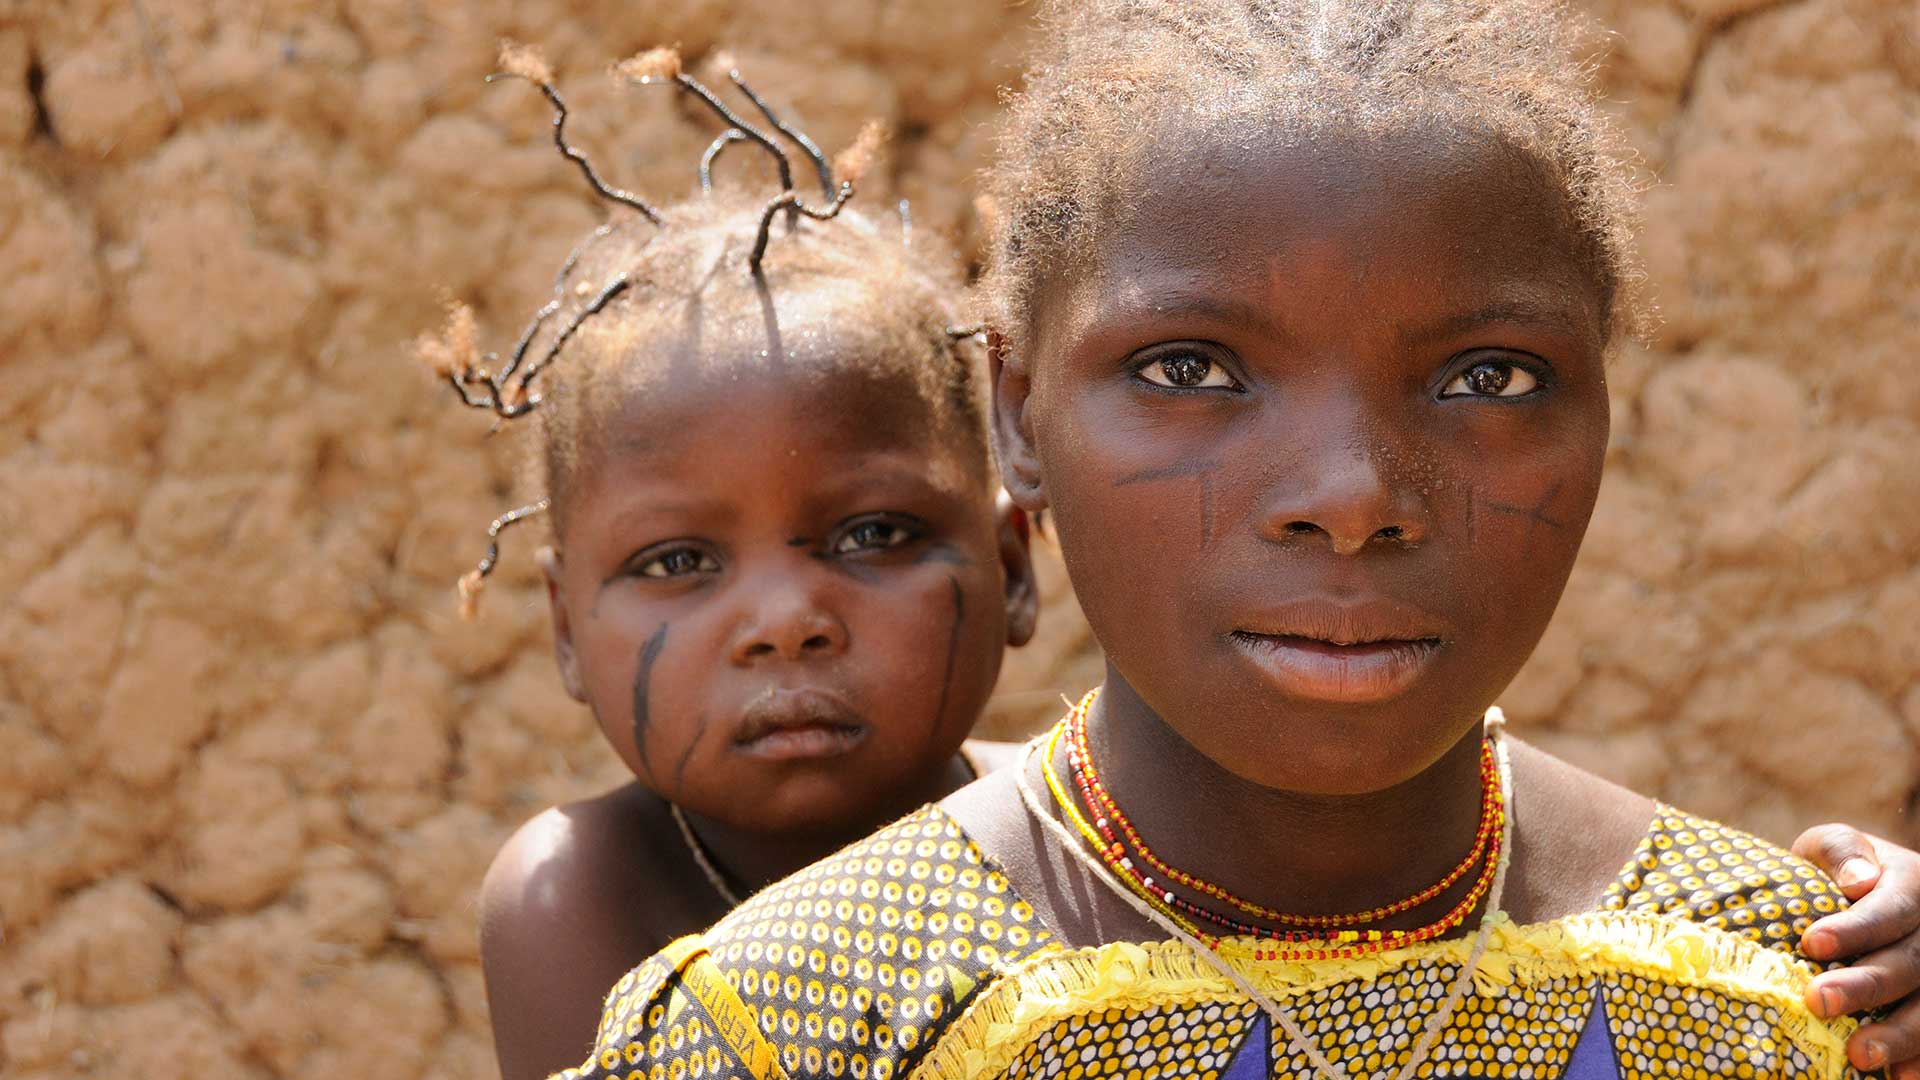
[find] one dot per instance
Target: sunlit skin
(1321, 426)
(806, 572)
(783, 587)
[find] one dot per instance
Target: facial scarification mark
(642, 689)
(1535, 514)
(953, 649)
(686, 755)
(1202, 469)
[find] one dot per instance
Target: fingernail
(1829, 1003)
(1855, 871)
(1873, 1053)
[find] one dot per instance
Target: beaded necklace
(1207, 950)
(1106, 814)
(1345, 944)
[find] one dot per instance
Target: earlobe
(563, 653)
(1012, 434)
(1016, 561)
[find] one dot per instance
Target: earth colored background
(251, 768)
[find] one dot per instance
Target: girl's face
(1321, 426)
(784, 594)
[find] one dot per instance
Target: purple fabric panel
(1251, 1061)
(1592, 1057)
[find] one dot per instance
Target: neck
(1298, 852)
(752, 860)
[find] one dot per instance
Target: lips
(786, 724)
(1340, 652)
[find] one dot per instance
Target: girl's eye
(872, 536)
(1185, 371)
(678, 563)
(1490, 378)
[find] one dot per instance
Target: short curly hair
(1114, 72)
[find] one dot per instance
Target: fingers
(1843, 853)
(1879, 919)
(1893, 1043)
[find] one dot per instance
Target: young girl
(778, 575)
(1303, 311)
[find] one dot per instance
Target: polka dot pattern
(1368, 1029)
(857, 966)
(1705, 872)
(1138, 1044)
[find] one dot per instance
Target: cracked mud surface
(251, 768)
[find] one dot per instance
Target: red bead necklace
(1344, 941)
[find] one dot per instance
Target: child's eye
(1185, 370)
(872, 535)
(1490, 378)
(678, 562)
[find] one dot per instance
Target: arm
(553, 938)
(1879, 937)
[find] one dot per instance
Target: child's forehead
(1260, 229)
(825, 406)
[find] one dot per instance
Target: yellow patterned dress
(908, 955)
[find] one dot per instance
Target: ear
(563, 654)
(1012, 434)
(1016, 562)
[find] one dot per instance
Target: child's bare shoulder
(572, 898)
(582, 858)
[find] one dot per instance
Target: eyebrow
(1176, 304)
(1526, 311)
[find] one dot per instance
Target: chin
(1370, 750)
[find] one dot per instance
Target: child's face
(785, 595)
(1321, 428)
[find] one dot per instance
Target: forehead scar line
(1169, 472)
(1535, 514)
(953, 651)
(1528, 312)
(642, 691)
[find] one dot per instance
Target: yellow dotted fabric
(1707, 873)
(850, 966)
(911, 941)
(1183, 1041)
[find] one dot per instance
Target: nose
(788, 623)
(1346, 497)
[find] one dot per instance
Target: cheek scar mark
(799, 541)
(1535, 514)
(642, 689)
(953, 650)
(1203, 469)
(680, 766)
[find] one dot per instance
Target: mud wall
(251, 768)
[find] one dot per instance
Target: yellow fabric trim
(731, 1017)
(1056, 983)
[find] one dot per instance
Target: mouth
(782, 724)
(1343, 655)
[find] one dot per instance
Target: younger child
(778, 576)
(1303, 309)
